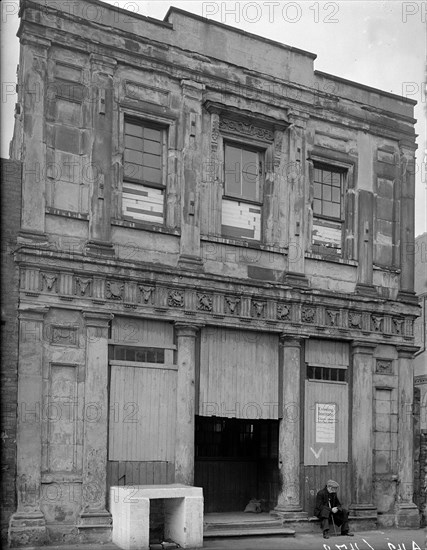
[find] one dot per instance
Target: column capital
(97, 319)
(360, 346)
(291, 341)
(32, 314)
(35, 41)
(103, 62)
(187, 329)
(407, 351)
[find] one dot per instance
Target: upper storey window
(242, 198)
(144, 180)
(328, 192)
(328, 208)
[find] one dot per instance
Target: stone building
(216, 276)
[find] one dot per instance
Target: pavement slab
(388, 539)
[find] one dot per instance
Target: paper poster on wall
(325, 422)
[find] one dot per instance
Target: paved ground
(390, 539)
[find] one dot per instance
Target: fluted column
(95, 521)
(28, 525)
(407, 513)
(362, 430)
(185, 419)
(289, 499)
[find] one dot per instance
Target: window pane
(336, 210)
(327, 193)
(133, 129)
(135, 143)
(134, 157)
(336, 194)
(132, 170)
(317, 206)
(317, 175)
(152, 161)
(152, 134)
(152, 147)
(152, 175)
(317, 188)
(232, 171)
(336, 179)
(327, 209)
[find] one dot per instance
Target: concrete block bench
(130, 508)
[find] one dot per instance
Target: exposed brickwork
(10, 216)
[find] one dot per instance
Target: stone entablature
(210, 300)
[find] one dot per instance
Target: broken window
(328, 208)
(144, 171)
(242, 198)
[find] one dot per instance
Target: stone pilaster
(95, 520)
(407, 227)
(295, 181)
(365, 243)
(28, 525)
(192, 93)
(289, 500)
(102, 94)
(185, 411)
(407, 513)
(362, 430)
(32, 96)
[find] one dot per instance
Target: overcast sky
(377, 43)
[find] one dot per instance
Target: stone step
(248, 531)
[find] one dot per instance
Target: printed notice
(325, 422)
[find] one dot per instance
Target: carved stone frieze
(176, 298)
(147, 294)
(384, 366)
(397, 325)
(115, 290)
(283, 312)
(83, 286)
(355, 320)
(204, 302)
(49, 282)
(332, 317)
(232, 304)
(245, 129)
(308, 314)
(257, 309)
(377, 323)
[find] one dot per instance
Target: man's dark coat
(325, 501)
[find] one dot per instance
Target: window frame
(333, 169)
(163, 128)
(227, 142)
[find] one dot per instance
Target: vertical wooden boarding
(238, 374)
(326, 422)
(142, 413)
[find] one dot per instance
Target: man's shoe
(347, 534)
(326, 534)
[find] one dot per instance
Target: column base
(192, 263)
(289, 512)
(100, 249)
(293, 278)
(95, 526)
(407, 516)
(364, 289)
(27, 528)
(407, 296)
(363, 510)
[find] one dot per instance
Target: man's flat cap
(332, 483)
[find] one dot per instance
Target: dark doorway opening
(236, 460)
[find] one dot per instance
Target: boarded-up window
(239, 374)
(242, 202)
(144, 172)
(326, 402)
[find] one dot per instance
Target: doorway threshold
(241, 524)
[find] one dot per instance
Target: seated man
(328, 509)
